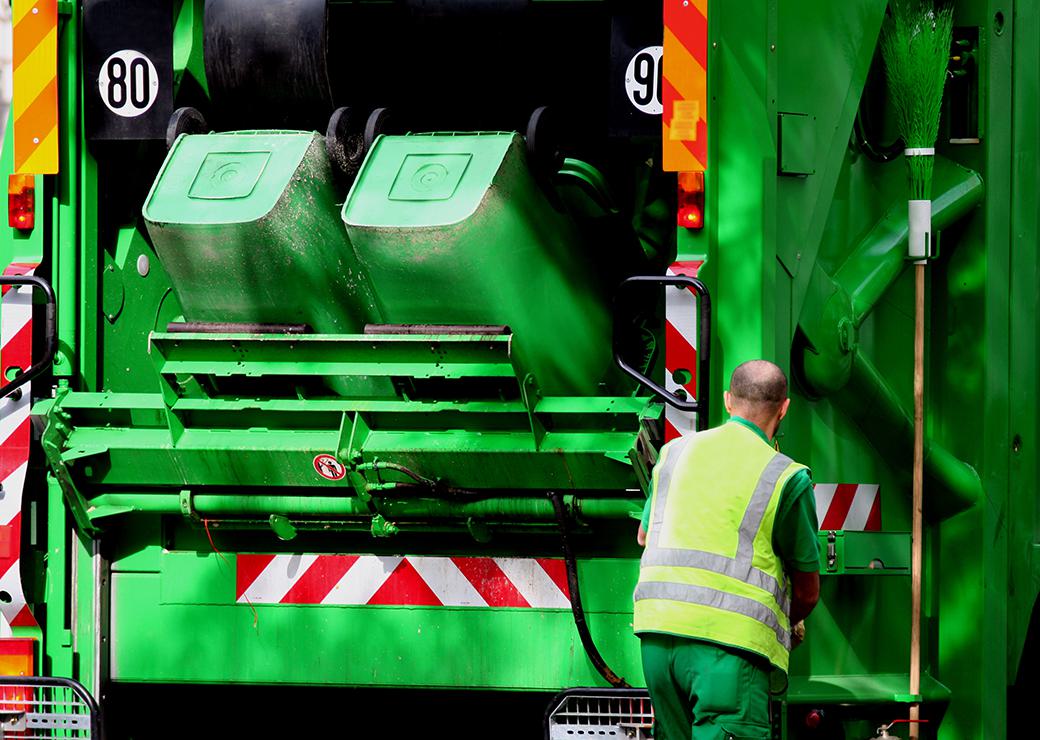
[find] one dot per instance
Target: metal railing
(34, 708)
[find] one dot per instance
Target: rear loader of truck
(339, 340)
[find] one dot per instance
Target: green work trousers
(702, 691)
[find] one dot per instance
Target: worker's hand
(797, 634)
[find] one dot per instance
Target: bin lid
(425, 180)
(225, 178)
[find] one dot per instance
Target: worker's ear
(783, 409)
(727, 401)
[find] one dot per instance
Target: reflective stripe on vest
(703, 596)
(770, 607)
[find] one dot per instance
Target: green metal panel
(865, 553)
(772, 57)
(72, 205)
(796, 143)
(188, 64)
(158, 615)
(868, 688)
(967, 331)
(17, 245)
(124, 326)
(1023, 368)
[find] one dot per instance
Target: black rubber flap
(466, 7)
(266, 63)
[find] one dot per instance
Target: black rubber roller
(345, 141)
(544, 149)
(185, 121)
(381, 121)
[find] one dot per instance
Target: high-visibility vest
(709, 570)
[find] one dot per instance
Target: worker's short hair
(759, 383)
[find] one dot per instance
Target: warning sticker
(329, 468)
(686, 115)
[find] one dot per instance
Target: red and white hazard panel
(680, 350)
(15, 355)
(854, 507)
(344, 580)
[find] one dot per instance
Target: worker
(731, 562)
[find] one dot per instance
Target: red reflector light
(691, 217)
(21, 202)
(691, 200)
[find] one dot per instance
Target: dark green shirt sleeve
(795, 529)
(645, 521)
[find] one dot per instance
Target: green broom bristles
(916, 48)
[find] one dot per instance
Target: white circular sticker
(643, 80)
(128, 83)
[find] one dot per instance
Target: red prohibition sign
(329, 467)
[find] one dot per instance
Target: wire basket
(43, 708)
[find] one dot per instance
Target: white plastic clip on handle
(920, 238)
(920, 215)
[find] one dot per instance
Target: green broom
(916, 49)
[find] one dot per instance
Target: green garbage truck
(340, 339)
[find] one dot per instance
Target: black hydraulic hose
(422, 490)
(377, 466)
(575, 598)
(875, 153)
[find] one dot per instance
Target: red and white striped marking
(538, 583)
(680, 349)
(15, 352)
(854, 507)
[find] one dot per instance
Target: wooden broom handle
(918, 513)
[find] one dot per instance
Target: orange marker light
(21, 202)
(17, 658)
(690, 214)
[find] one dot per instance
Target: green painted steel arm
(880, 257)
(835, 307)
(873, 404)
(524, 509)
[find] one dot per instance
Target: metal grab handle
(50, 330)
(700, 406)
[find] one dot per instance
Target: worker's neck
(768, 424)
